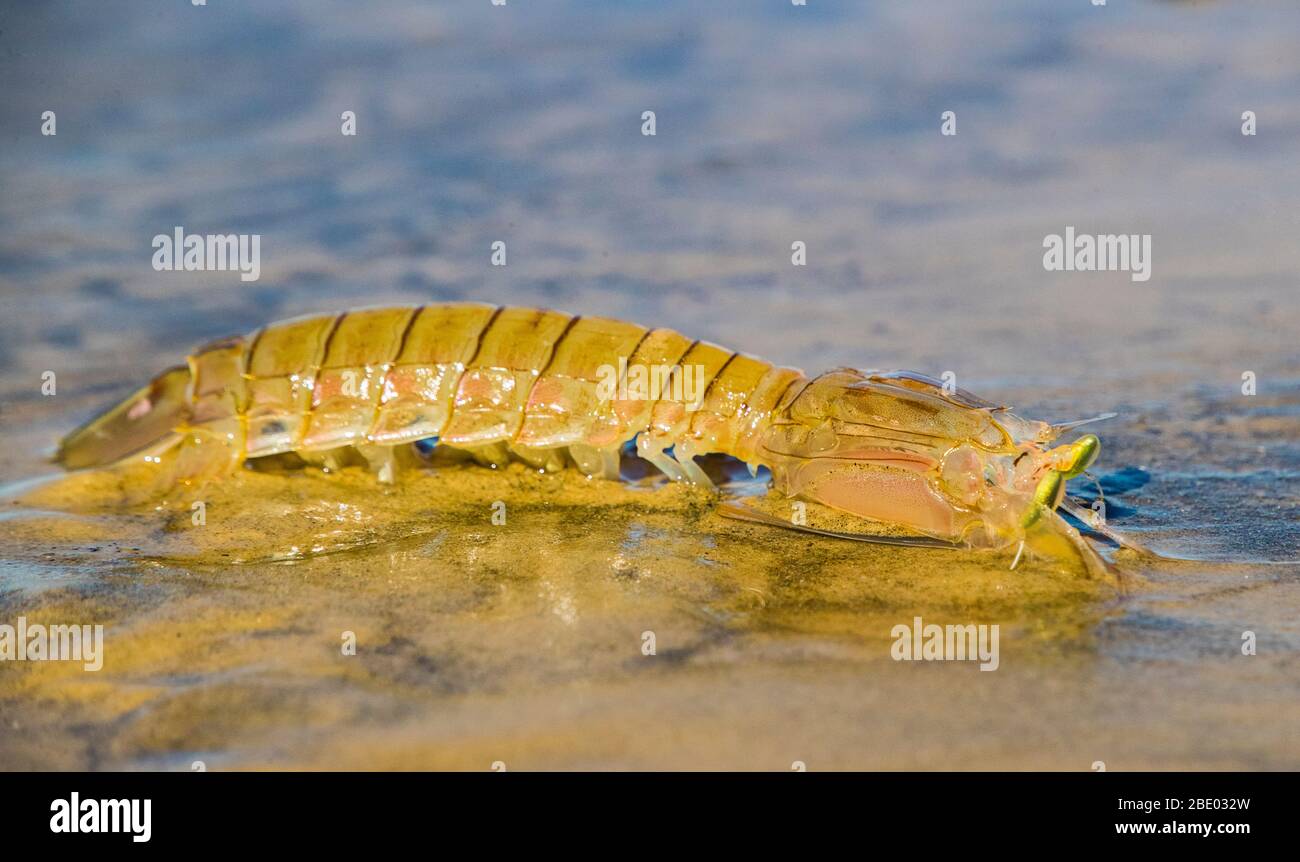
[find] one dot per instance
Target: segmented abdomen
(473, 375)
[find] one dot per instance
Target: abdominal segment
(498, 382)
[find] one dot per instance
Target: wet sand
(523, 643)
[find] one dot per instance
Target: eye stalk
(1082, 454)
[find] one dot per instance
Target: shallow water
(523, 643)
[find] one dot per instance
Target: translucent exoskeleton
(550, 389)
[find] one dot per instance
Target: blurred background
(775, 123)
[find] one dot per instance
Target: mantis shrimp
(891, 448)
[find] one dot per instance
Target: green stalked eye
(1083, 452)
(1047, 496)
(1048, 492)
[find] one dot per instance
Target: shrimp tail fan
(145, 420)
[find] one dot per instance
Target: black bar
(332, 811)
